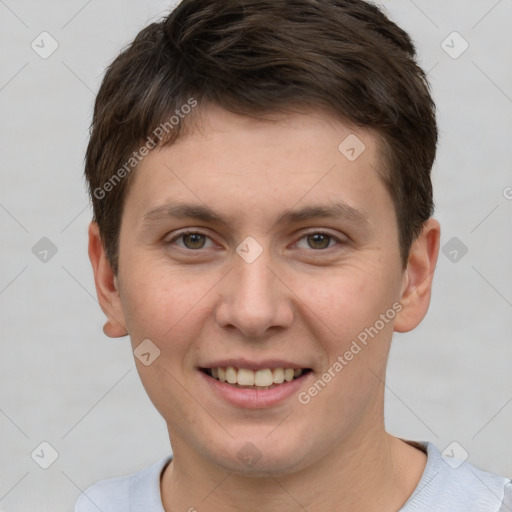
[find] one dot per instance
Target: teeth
(264, 378)
(247, 378)
(278, 374)
(231, 375)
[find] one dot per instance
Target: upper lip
(254, 365)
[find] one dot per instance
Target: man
(260, 177)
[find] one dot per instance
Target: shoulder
(452, 485)
(124, 493)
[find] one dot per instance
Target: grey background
(64, 382)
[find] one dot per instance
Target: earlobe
(106, 285)
(418, 277)
(114, 329)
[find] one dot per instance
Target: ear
(418, 276)
(106, 285)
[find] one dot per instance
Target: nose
(254, 299)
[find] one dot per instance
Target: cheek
(349, 299)
(354, 337)
(166, 305)
(169, 309)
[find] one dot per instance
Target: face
(259, 246)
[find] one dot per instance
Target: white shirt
(442, 488)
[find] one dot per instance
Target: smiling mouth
(265, 378)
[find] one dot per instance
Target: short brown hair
(258, 57)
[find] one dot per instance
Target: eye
(318, 241)
(194, 240)
(191, 240)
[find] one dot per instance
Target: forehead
(240, 166)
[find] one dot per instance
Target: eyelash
(329, 235)
(184, 234)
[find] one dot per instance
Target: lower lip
(254, 398)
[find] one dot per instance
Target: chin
(259, 455)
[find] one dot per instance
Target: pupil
(318, 241)
(194, 241)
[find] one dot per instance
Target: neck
(377, 472)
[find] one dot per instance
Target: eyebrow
(182, 211)
(338, 210)
(334, 211)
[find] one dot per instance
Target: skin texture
(303, 299)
